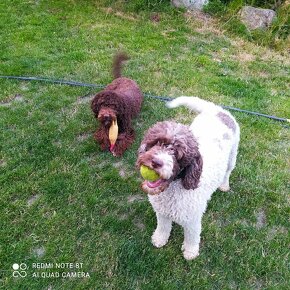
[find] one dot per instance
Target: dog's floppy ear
(191, 173)
(95, 105)
(188, 158)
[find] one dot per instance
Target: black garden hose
(162, 98)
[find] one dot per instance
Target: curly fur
(192, 162)
(120, 100)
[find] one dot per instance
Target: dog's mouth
(155, 178)
(106, 116)
(154, 184)
(154, 187)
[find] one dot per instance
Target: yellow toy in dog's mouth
(149, 174)
(113, 134)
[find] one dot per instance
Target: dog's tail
(119, 58)
(194, 103)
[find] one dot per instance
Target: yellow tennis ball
(148, 174)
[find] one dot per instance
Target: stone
(257, 18)
(189, 4)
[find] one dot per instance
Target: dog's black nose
(156, 163)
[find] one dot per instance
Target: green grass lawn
(63, 200)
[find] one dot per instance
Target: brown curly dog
(120, 101)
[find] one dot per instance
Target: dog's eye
(169, 147)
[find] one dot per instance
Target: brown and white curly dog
(120, 101)
(192, 162)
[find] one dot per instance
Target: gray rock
(189, 4)
(257, 18)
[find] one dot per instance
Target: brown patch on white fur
(226, 136)
(227, 120)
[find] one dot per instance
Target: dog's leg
(123, 142)
(161, 234)
(225, 186)
(192, 230)
(102, 138)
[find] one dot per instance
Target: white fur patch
(142, 148)
(166, 170)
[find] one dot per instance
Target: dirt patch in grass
(83, 136)
(84, 99)
(134, 198)
(3, 163)
(123, 216)
(126, 16)
(139, 224)
(9, 100)
(33, 199)
(278, 230)
(123, 170)
(243, 47)
(261, 219)
(38, 252)
(57, 143)
(244, 56)
(204, 22)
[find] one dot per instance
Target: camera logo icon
(19, 270)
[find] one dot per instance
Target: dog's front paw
(190, 253)
(158, 240)
(117, 151)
